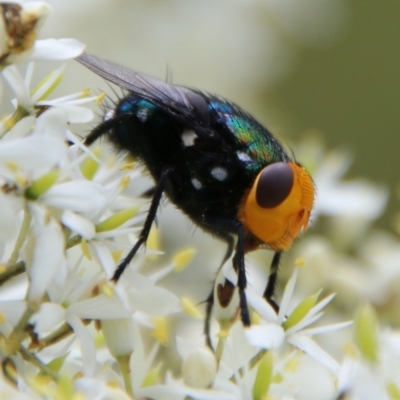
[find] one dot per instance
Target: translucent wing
(179, 101)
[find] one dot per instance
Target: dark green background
(351, 91)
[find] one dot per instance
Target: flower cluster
(67, 215)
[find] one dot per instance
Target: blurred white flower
(19, 27)
(351, 199)
(372, 370)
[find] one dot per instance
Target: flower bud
(199, 368)
(118, 334)
(366, 333)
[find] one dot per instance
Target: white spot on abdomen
(219, 173)
(243, 156)
(196, 183)
(188, 137)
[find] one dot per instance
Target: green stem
(220, 348)
(61, 333)
(10, 371)
(19, 333)
(15, 117)
(56, 336)
(11, 271)
(73, 241)
(256, 359)
(31, 358)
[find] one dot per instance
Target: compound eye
(274, 185)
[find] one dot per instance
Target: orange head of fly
(279, 204)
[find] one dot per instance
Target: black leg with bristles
(151, 215)
(272, 281)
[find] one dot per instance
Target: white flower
(290, 327)
(48, 263)
(372, 372)
(66, 195)
(357, 198)
(27, 101)
(19, 28)
(76, 301)
(237, 377)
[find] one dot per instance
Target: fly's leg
(236, 228)
(210, 299)
(272, 280)
(159, 189)
(226, 228)
(239, 266)
(105, 127)
(207, 321)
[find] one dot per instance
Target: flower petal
(261, 306)
(104, 257)
(11, 311)
(80, 196)
(311, 348)
(10, 207)
(49, 316)
(287, 296)
(266, 336)
(154, 301)
(326, 328)
(14, 79)
(52, 123)
(88, 349)
(99, 307)
(78, 224)
(48, 263)
(57, 49)
(33, 154)
(77, 115)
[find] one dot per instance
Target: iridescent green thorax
(258, 147)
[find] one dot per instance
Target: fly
(215, 162)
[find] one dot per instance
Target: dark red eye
(274, 185)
